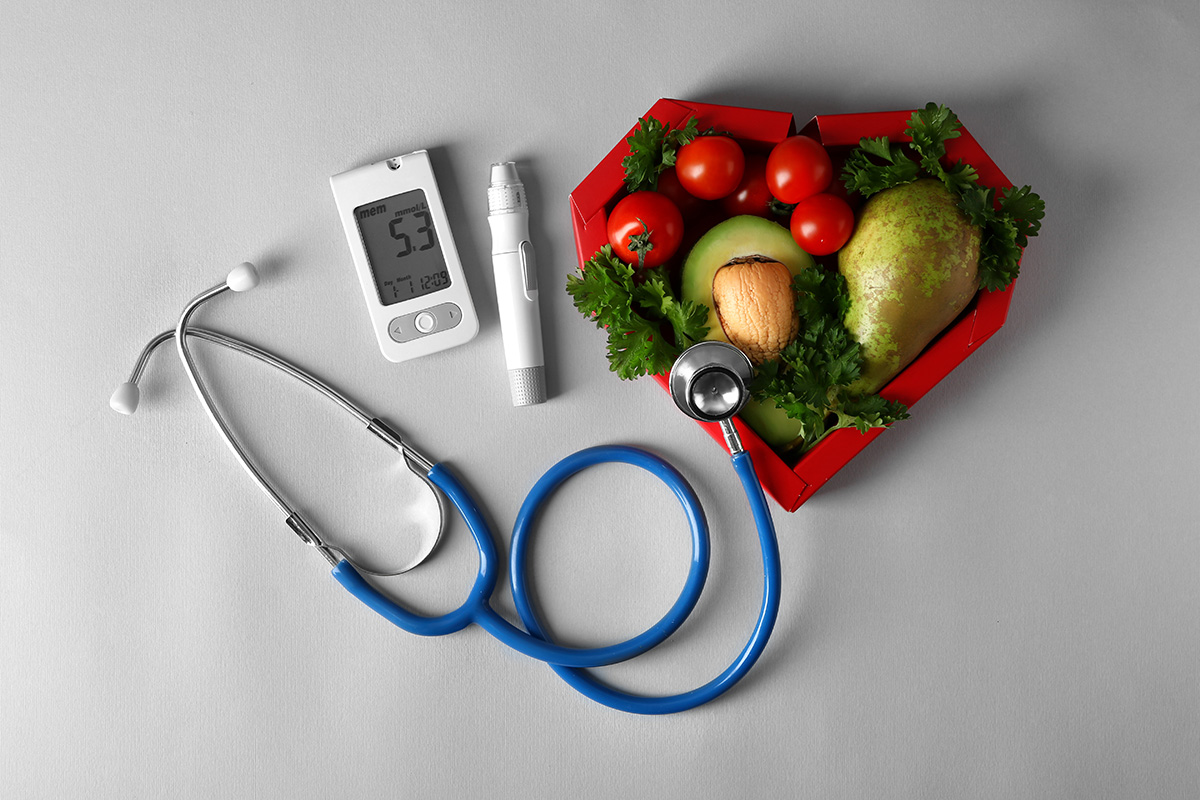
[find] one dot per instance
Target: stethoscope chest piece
(710, 381)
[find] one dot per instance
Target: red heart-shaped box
(793, 483)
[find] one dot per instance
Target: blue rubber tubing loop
(476, 607)
(697, 572)
(586, 684)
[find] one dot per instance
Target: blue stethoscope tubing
(570, 663)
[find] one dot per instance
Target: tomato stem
(780, 208)
(640, 243)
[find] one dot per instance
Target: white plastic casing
(361, 186)
(515, 270)
(516, 290)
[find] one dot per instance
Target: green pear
(911, 267)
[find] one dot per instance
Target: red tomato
(751, 195)
(821, 224)
(645, 228)
(689, 205)
(710, 166)
(798, 167)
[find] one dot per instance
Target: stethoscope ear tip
(242, 277)
(125, 399)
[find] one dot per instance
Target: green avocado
(772, 424)
(744, 238)
(911, 267)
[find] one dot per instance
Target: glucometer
(400, 240)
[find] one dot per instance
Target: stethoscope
(709, 381)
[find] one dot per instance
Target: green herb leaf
(999, 254)
(978, 203)
(652, 148)
(929, 129)
(638, 348)
(1025, 209)
(880, 147)
(603, 290)
(863, 175)
(866, 411)
(960, 178)
(644, 161)
(635, 306)
(688, 320)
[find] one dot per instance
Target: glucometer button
(401, 330)
(434, 319)
(448, 315)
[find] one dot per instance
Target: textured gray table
(999, 598)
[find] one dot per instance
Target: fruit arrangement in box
(839, 259)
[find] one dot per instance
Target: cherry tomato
(689, 205)
(821, 224)
(751, 195)
(798, 167)
(645, 228)
(710, 166)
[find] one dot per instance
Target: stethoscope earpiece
(243, 277)
(125, 399)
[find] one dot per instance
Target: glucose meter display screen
(402, 247)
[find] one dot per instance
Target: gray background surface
(998, 598)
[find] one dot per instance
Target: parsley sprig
(1007, 218)
(811, 379)
(652, 148)
(635, 306)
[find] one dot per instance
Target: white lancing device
(516, 285)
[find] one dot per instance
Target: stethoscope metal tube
(189, 366)
(128, 390)
(712, 384)
(126, 398)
